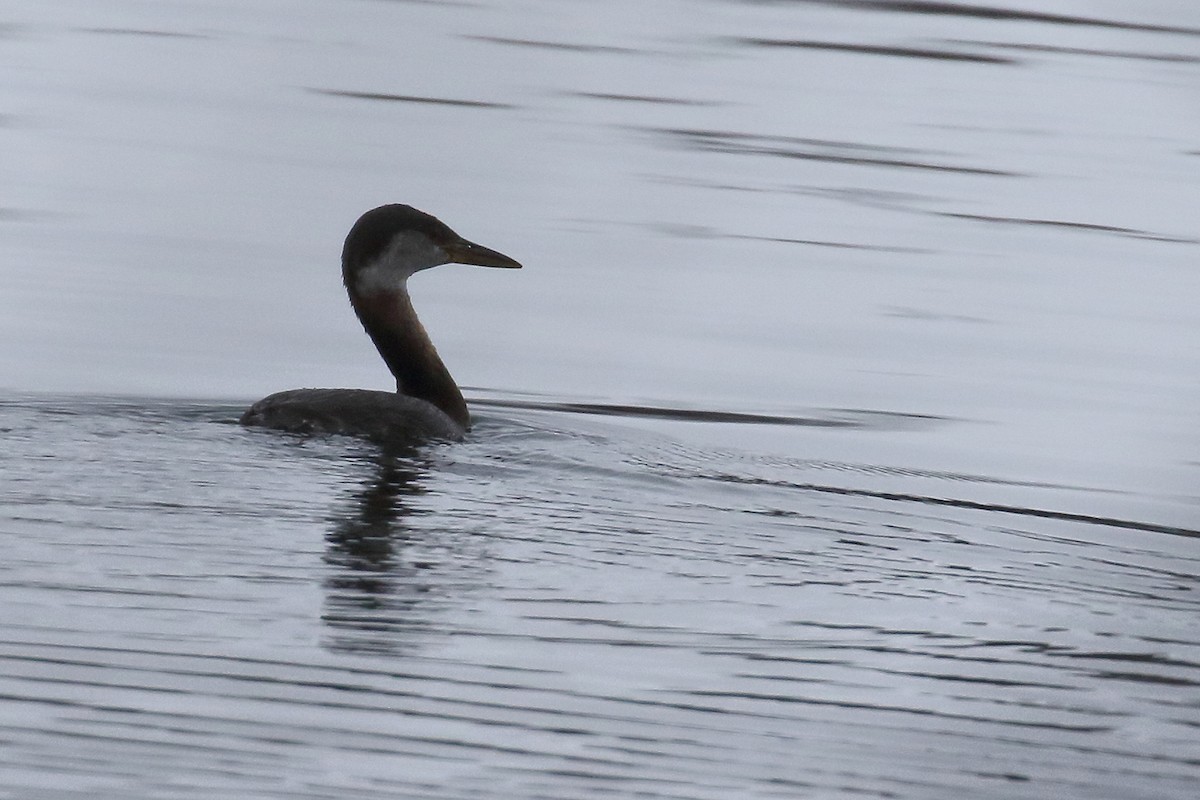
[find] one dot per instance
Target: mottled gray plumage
(382, 416)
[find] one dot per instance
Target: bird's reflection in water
(373, 595)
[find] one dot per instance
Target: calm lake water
(839, 438)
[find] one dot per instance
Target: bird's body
(383, 249)
(372, 414)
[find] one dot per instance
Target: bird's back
(381, 416)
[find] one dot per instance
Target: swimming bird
(384, 248)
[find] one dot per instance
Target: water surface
(838, 439)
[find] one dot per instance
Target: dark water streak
(971, 11)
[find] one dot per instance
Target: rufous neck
(391, 322)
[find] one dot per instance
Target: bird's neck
(391, 322)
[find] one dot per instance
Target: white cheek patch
(378, 277)
(408, 252)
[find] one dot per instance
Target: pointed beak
(464, 252)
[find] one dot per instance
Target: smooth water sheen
(838, 439)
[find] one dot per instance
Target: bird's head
(390, 243)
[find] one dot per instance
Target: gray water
(839, 438)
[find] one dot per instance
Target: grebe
(383, 249)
